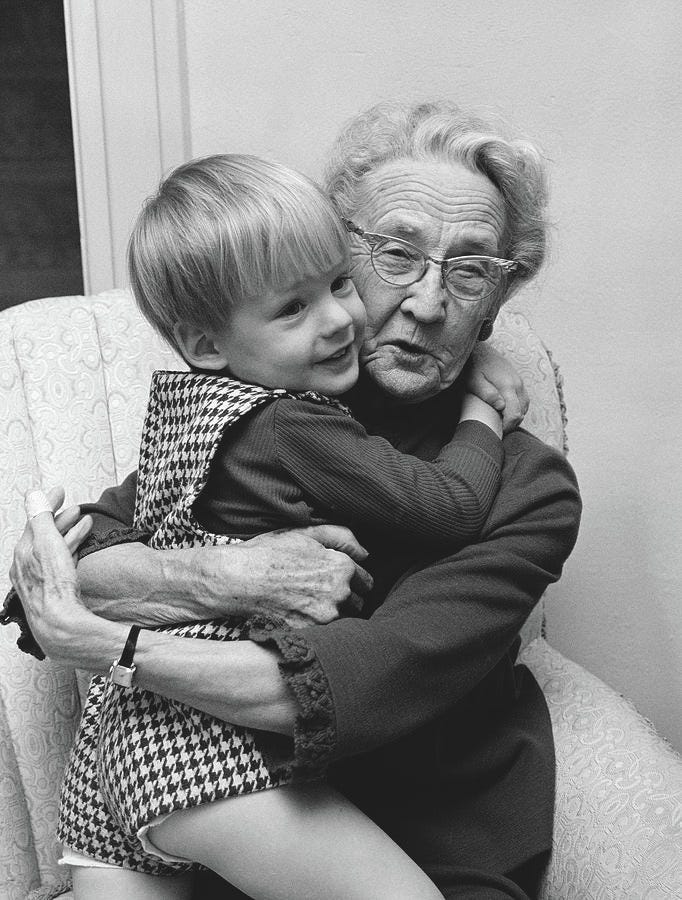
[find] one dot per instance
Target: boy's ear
(199, 347)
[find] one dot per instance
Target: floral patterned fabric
(618, 817)
(74, 375)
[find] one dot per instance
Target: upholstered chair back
(74, 375)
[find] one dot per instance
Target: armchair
(74, 373)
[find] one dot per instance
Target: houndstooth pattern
(186, 417)
(139, 755)
(85, 822)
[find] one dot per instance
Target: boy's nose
(337, 317)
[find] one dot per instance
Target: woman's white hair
(444, 131)
(222, 229)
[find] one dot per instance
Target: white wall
(597, 85)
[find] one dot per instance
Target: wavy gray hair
(444, 131)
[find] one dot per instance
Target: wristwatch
(122, 671)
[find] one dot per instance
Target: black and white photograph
(340, 429)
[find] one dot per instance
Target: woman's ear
(199, 347)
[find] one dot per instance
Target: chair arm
(618, 817)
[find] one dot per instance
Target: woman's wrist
(84, 641)
(207, 582)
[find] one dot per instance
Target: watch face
(122, 675)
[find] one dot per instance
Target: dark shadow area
(39, 234)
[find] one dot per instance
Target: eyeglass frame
(371, 238)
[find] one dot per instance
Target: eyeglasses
(464, 277)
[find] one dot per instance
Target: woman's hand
(43, 572)
(306, 576)
(495, 380)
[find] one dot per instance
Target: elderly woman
(417, 710)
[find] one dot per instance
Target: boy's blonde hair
(223, 229)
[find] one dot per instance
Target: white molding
(130, 114)
(89, 142)
(171, 82)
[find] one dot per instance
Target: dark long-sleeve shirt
(294, 463)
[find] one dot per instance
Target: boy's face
(304, 335)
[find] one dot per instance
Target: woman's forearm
(297, 575)
(133, 583)
(237, 681)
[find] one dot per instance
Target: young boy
(243, 266)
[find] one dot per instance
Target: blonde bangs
(223, 229)
(294, 233)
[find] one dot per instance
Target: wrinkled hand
(43, 573)
(495, 380)
(307, 576)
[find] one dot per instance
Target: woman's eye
(292, 309)
(397, 252)
(470, 270)
(342, 285)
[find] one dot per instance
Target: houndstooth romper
(137, 755)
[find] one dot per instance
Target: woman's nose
(426, 299)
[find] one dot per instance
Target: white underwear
(74, 858)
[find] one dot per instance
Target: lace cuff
(95, 542)
(315, 727)
(12, 612)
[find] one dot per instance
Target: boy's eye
(342, 285)
(292, 309)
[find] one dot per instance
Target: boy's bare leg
(304, 841)
(96, 883)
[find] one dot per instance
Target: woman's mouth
(409, 349)
(408, 355)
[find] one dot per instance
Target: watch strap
(123, 669)
(126, 658)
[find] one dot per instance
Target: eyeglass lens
(401, 264)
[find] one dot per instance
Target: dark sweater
(438, 735)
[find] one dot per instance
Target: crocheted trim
(559, 382)
(13, 614)
(95, 542)
(315, 727)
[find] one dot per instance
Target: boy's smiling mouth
(340, 354)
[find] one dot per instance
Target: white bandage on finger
(36, 503)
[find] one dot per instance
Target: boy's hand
(492, 378)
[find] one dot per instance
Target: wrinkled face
(418, 337)
(303, 335)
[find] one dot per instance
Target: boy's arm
(364, 482)
(112, 514)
